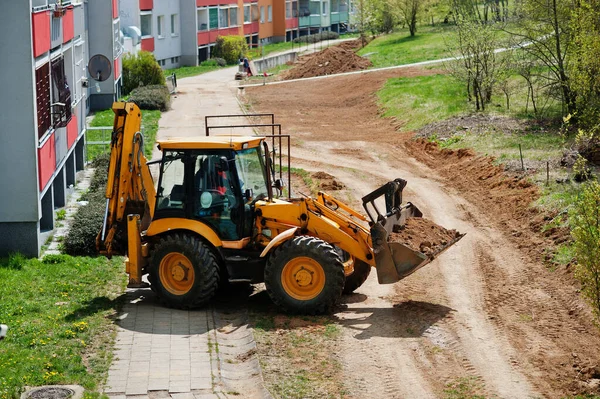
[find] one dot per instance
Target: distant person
(247, 67)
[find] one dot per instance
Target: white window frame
(325, 6)
(249, 8)
(147, 14)
(207, 19)
(237, 16)
(223, 8)
(174, 25)
(262, 14)
(269, 13)
(160, 26)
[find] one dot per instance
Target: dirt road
(487, 317)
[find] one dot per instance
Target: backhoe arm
(129, 188)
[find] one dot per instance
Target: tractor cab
(213, 180)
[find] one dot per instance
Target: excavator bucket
(395, 261)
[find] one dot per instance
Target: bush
(141, 69)
(86, 224)
(211, 62)
(317, 37)
(230, 48)
(151, 97)
(220, 61)
(584, 219)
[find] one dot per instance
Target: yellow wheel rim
(176, 273)
(303, 278)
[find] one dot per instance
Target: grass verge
(398, 48)
(105, 118)
(59, 315)
(416, 102)
(297, 355)
(187, 71)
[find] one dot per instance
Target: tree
(409, 10)
(585, 65)
(545, 33)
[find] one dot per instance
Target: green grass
(105, 119)
(419, 101)
(187, 71)
(398, 48)
(59, 316)
(464, 388)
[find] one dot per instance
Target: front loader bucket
(395, 261)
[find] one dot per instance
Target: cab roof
(210, 142)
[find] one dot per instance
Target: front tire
(358, 276)
(184, 272)
(305, 275)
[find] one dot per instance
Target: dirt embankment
(332, 60)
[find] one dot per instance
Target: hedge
(155, 97)
(141, 69)
(230, 48)
(317, 37)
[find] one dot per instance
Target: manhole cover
(50, 393)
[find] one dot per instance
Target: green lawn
(419, 101)
(59, 315)
(398, 48)
(186, 71)
(105, 118)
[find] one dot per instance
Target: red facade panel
(291, 23)
(68, 25)
(203, 38)
(146, 5)
(117, 70)
(251, 28)
(72, 132)
(115, 9)
(46, 161)
(40, 22)
(148, 44)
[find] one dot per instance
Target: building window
(233, 18)
(61, 94)
(247, 15)
(325, 8)
(160, 26)
(270, 13)
(262, 14)
(174, 27)
(202, 19)
(213, 15)
(255, 14)
(146, 24)
(223, 17)
(42, 89)
(343, 7)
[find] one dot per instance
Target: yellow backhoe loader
(218, 214)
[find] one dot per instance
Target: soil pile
(351, 44)
(328, 182)
(329, 61)
(420, 234)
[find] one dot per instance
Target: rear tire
(358, 277)
(184, 272)
(305, 275)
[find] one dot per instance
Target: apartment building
(45, 98)
(183, 32)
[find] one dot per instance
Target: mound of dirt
(350, 45)
(328, 181)
(329, 61)
(421, 234)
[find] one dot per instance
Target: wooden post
(521, 153)
(547, 172)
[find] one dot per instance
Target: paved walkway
(167, 353)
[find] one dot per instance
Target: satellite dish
(99, 67)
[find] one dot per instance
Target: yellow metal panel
(279, 239)
(171, 224)
(211, 142)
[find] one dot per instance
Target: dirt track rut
(399, 365)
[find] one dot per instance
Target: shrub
(584, 219)
(220, 61)
(211, 62)
(100, 177)
(230, 48)
(151, 97)
(317, 37)
(86, 224)
(141, 69)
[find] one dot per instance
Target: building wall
(188, 31)
(167, 47)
